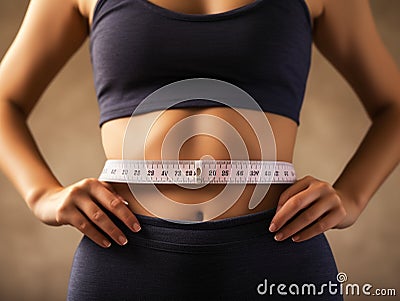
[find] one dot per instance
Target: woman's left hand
(310, 207)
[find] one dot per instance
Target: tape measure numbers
(198, 171)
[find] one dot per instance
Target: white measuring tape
(198, 171)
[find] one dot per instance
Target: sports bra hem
(121, 113)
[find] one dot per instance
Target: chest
(201, 6)
(252, 40)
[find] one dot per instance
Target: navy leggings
(227, 259)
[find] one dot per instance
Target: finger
(293, 206)
(293, 189)
(306, 218)
(80, 222)
(108, 185)
(325, 223)
(99, 218)
(113, 203)
(112, 189)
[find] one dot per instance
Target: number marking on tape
(198, 171)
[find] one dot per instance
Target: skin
(343, 31)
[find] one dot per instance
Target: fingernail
(136, 227)
(106, 243)
(123, 201)
(272, 227)
(123, 240)
(278, 236)
(296, 238)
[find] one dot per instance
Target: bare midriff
(200, 145)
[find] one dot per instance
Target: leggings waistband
(209, 236)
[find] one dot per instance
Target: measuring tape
(198, 172)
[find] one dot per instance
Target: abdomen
(201, 133)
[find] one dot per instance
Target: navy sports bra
(137, 47)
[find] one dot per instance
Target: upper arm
(52, 30)
(346, 35)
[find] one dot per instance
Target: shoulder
(85, 8)
(336, 10)
(339, 11)
(315, 8)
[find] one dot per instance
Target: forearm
(20, 158)
(375, 158)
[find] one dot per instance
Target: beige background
(35, 259)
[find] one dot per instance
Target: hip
(227, 259)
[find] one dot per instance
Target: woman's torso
(283, 128)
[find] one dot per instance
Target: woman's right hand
(82, 205)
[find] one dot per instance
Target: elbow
(8, 106)
(387, 122)
(390, 111)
